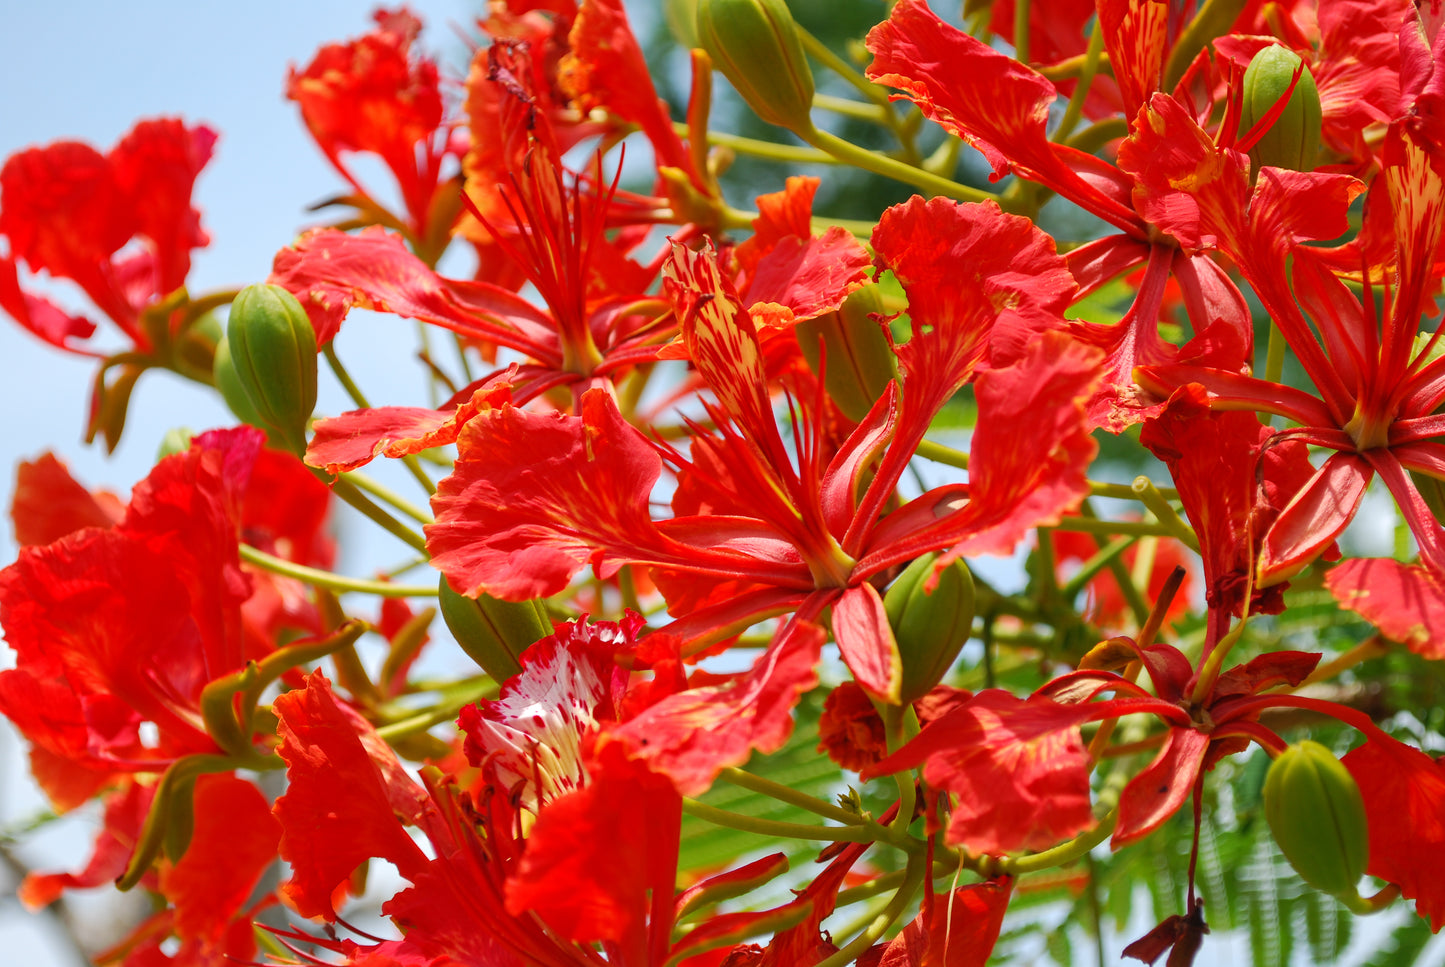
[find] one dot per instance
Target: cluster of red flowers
(720, 450)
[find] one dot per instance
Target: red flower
(1001, 107)
(372, 95)
(1378, 389)
(1404, 792)
(115, 626)
(68, 210)
(534, 498)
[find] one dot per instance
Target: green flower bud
(1294, 139)
(851, 345)
(493, 632)
(273, 350)
(930, 628)
(755, 44)
(1317, 815)
(223, 371)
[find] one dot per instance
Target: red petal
(1212, 458)
(533, 498)
(112, 618)
(1000, 106)
(50, 504)
(788, 267)
(189, 510)
(692, 735)
(605, 68)
(1316, 515)
(1136, 35)
(368, 95)
(958, 929)
(125, 812)
(529, 740)
(866, 642)
(1031, 446)
(1161, 787)
(1269, 670)
(354, 439)
(1018, 767)
(1404, 792)
(722, 342)
(1187, 186)
(1407, 603)
(330, 272)
(325, 836)
(601, 861)
(41, 316)
(234, 841)
(979, 282)
(64, 214)
(156, 166)
(1029, 453)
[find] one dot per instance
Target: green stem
(412, 464)
(854, 226)
(1150, 496)
(1364, 906)
(1214, 18)
(881, 164)
(1090, 68)
(769, 150)
(1022, 9)
(792, 797)
(1064, 852)
(333, 582)
(825, 55)
(1098, 134)
(388, 495)
(875, 93)
(351, 494)
(916, 871)
(1126, 491)
(445, 712)
(1274, 355)
(770, 827)
(1094, 565)
(1088, 525)
(900, 724)
(343, 377)
(1132, 595)
(939, 453)
(1372, 647)
(850, 109)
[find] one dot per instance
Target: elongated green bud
(849, 344)
(1317, 815)
(273, 349)
(223, 370)
(1294, 139)
(755, 44)
(930, 629)
(493, 632)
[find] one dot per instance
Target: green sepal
(755, 44)
(1293, 140)
(1317, 816)
(273, 349)
(228, 383)
(931, 629)
(851, 349)
(493, 632)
